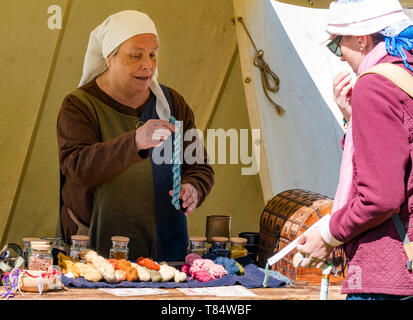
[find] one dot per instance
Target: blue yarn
(403, 41)
(274, 274)
(228, 263)
(176, 164)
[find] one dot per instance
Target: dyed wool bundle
(88, 271)
(179, 276)
(202, 276)
(155, 275)
(131, 272)
(67, 265)
(168, 273)
(229, 264)
(104, 267)
(114, 263)
(148, 263)
(143, 274)
(120, 275)
(215, 270)
(176, 170)
(191, 257)
(185, 269)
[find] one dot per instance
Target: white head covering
(115, 30)
(363, 17)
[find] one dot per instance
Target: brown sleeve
(83, 158)
(199, 174)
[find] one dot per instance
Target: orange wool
(131, 272)
(148, 263)
(114, 263)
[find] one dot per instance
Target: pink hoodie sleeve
(380, 157)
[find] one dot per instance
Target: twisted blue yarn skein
(176, 164)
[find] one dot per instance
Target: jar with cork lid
(119, 248)
(198, 245)
(238, 247)
(79, 243)
(27, 249)
(40, 257)
(219, 246)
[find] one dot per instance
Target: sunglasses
(334, 46)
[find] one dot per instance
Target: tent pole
(249, 89)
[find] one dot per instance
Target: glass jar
(57, 246)
(27, 249)
(198, 245)
(219, 246)
(238, 247)
(119, 248)
(79, 243)
(40, 257)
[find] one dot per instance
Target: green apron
(124, 206)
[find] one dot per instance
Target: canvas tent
(205, 56)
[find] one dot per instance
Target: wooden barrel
(285, 217)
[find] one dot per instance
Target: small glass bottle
(27, 249)
(79, 243)
(238, 247)
(57, 246)
(219, 246)
(119, 248)
(40, 257)
(198, 245)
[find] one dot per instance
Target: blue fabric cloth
(376, 296)
(171, 224)
(253, 278)
(403, 41)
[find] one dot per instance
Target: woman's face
(131, 69)
(353, 50)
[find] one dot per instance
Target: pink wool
(202, 276)
(214, 270)
(190, 258)
(185, 268)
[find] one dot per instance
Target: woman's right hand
(342, 89)
(153, 133)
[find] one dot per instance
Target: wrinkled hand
(189, 196)
(153, 133)
(342, 89)
(314, 249)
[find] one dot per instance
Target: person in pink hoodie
(376, 177)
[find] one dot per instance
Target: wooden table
(287, 293)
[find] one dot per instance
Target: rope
(267, 75)
(176, 164)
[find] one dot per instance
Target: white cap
(109, 35)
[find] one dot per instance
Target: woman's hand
(313, 248)
(342, 89)
(189, 197)
(153, 133)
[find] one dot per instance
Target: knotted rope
(267, 75)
